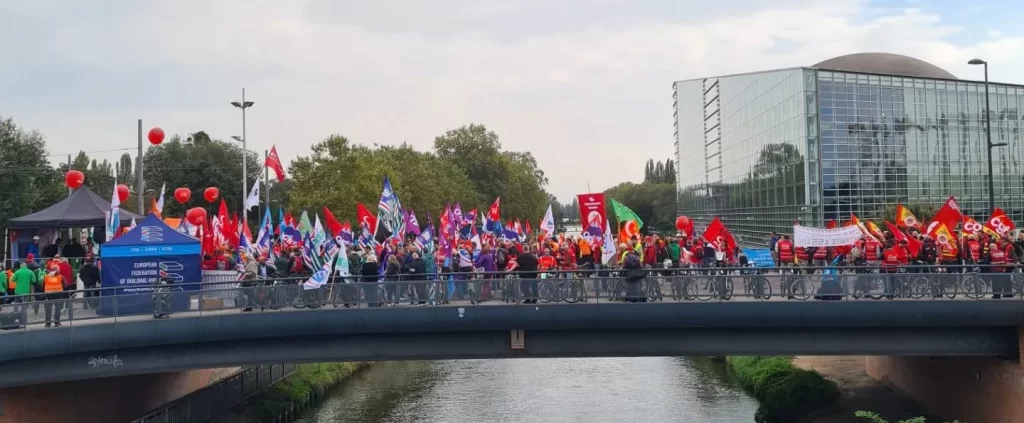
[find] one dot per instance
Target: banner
(816, 237)
(592, 216)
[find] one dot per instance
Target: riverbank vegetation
(308, 381)
(875, 418)
(785, 392)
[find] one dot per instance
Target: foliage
(784, 391)
(99, 176)
(29, 183)
(467, 166)
(198, 162)
(295, 389)
(875, 418)
(660, 172)
(654, 203)
(279, 192)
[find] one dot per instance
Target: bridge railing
(105, 305)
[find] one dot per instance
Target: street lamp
(245, 190)
(988, 137)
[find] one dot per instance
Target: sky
(585, 85)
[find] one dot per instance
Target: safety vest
(10, 280)
(974, 247)
(53, 284)
(584, 248)
(872, 248)
(801, 254)
(890, 260)
(821, 253)
(785, 251)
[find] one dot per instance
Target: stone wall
(972, 390)
(104, 400)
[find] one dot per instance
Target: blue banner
(760, 257)
(131, 279)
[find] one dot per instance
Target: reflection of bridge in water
(215, 333)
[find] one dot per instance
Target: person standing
(528, 284)
(53, 288)
(22, 279)
(249, 276)
(90, 276)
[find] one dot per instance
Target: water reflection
(541, 390)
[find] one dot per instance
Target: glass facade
(768, 149)
(742, 148)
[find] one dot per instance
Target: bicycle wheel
(702, 289)
(947, 287)
(919, 287)
(762, 287)
(546, 291)
(677, 289)
(973, 287)
(727, 288)
(274, 297)
(800, 289)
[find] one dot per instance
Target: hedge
(784, 391)
(296, 388)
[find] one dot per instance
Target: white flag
(608, 248)
(114, 215)
(547, 225)
(160, 202)
(253, 200)
(132, 226)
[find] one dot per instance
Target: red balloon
(122, 192)
(196, 216)
(156, 136)
(182, 195)
(682, 222)
(211, 194)
(74, 179)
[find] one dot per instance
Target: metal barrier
(217, 280)
(707, 284)
(214, 400)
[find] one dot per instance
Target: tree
(99, 176)
(492, 172)
(279, 193)
(654, 203)
(198, 162)
(29, 181)
(340, 173)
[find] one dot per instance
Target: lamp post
(245, 190)
(988, 137)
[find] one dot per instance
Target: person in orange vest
(1001, 258)
(53, 289)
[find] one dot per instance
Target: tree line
(466, 165)
(654, 200)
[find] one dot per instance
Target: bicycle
(936, 286)
(757, 286)
(795, 285)
(973, 285)
(707, 287)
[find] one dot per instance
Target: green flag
(624, 214)
(305, 226)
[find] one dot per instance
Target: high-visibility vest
(53, 284)
(785, 251)
(584, 248)
(10, 280)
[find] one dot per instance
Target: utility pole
(245, 176)
(140, 183)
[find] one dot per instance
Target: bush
(875, 418)
(307, 379)
(784, 391)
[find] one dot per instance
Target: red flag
(912, 244)
(717, 229)
(206, 235)
(364, 217)
(222, 213)
(592, 210)
(246, 232)
(494, 213)
(289, 220)
(274, 163)
(529, 230)
(999, 224)
(948, 215)
(831, 224)
(333, 226)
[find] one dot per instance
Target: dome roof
(884, 63)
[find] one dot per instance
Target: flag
(289, 220)
(855, 221)
(305, 226)
(332, 224)
(365, 218)
(319, 235)
(999, 224)
(280, 221)
(592, 212)
(412, 225)
(943, 237)
(527, 229)
(132, 225)
(716, 229)
(468, 224)
(970, 226)
(624, 214)
(906, 219)
(274, 163)
(608, 248)
(390, 215)
(949, 215)
(913, 245)
(346, 232)
(831, 224)
(253, 200)
(114, 215)
(290, 236)
(264, 234)
(547, 224)
(874, 230)
(319, 277)
(425, 240)
(341, 259)
(494, 213)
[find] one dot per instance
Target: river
(540, 390)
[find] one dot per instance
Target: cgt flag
(592, 216)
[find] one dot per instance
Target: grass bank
(785, 392)
(308, 382)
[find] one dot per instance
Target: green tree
(29, 181)
(279, 193)
(655, 203)
(198, 162)
(492, 172)
(340, 173)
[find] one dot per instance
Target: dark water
(540, 390)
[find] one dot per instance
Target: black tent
(83, 208)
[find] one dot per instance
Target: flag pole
(266, 178)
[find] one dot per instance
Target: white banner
(816, 237)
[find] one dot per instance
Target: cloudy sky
(583, 84)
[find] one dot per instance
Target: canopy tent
(136, 261)
(83, 208)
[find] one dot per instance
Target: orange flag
(906, 219)
(944, 237)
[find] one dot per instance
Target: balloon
(182, 195)
(196, 216)
(682, 222)
(211, 194)
(122, 192)
(156, 136)
(74, 179)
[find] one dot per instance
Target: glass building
(854, 134)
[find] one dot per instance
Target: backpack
(632, 261)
